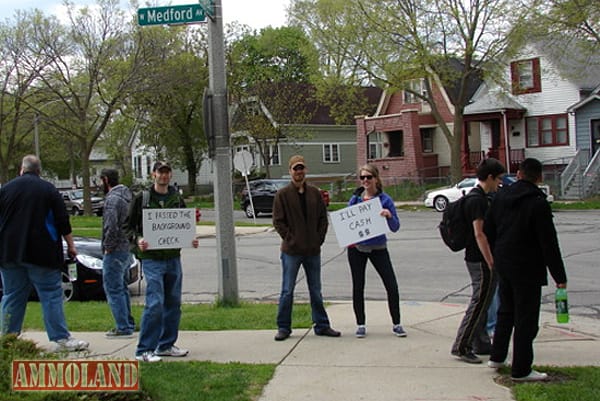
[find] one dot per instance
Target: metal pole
(228, 282)
(36, 135)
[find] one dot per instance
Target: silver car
(74, 202)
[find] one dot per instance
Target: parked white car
(439, 198)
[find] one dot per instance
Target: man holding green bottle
(520, 227)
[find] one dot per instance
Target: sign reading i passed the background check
(169, 228)
(358, 222)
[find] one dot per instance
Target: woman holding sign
(375, 250)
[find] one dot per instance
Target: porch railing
(572, 171)
(591, 178)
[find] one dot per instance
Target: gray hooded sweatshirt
(116, 207)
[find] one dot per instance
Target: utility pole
(227, 262)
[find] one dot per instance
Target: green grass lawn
(195, 380)
(95, 316)
(172, 381)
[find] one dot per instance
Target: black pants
(380, 258)
(472, 327)
(519, 309)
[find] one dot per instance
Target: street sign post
(171, 15)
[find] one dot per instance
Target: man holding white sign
(161, 226)
(373, 248)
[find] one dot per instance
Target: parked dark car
(74, 202)
(263, 193)
(82, 277)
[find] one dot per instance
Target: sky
(255, 13)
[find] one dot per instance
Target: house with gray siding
(328, 148)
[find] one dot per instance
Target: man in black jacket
(33, 218)
(525, 242)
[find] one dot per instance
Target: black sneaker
(469, 357)
(114, 334)
(328, 332)
(282, 335)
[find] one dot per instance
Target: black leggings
(380, 258)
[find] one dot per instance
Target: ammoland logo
(75, 375)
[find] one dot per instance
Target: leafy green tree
(94, 64)
(572, 24)
(21, 58)
(270, 85)
(171, 108)
(579, 18)
(341, 75)
(397, 41)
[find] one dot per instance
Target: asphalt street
(426, 269)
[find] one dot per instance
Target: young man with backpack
(162, 270)
(472, 337)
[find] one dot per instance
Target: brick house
(533, 114)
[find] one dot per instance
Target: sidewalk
(378, 367)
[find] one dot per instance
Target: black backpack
(454, 226)
(132, 225)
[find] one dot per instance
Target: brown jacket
(300, 235)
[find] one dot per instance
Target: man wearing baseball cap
(300, 218)
(159, 328)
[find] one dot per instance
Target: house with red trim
(533, 114)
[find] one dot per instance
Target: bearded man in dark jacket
(300, 219)
(520, 226)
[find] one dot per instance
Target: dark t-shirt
(475, 208)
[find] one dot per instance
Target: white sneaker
(495, 365)
(533, 376)
(148, 356)
(173, 351)
(70, 345)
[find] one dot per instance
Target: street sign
(171, 15)
(243, 162)
(209, 7)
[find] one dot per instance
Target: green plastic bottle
(562, 305)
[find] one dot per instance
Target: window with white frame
(274, 155)
(137, 166)
(547, 131)
(385, 144)
(331, 153)
(416, 86)
(526, 76)
(374, 145)
(427, 140)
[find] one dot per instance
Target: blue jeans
(17, 281)
(312, 267)
(115, 267)
(162, 312)
(492, 314)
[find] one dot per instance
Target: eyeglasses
(365, 177)
(298, 167)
